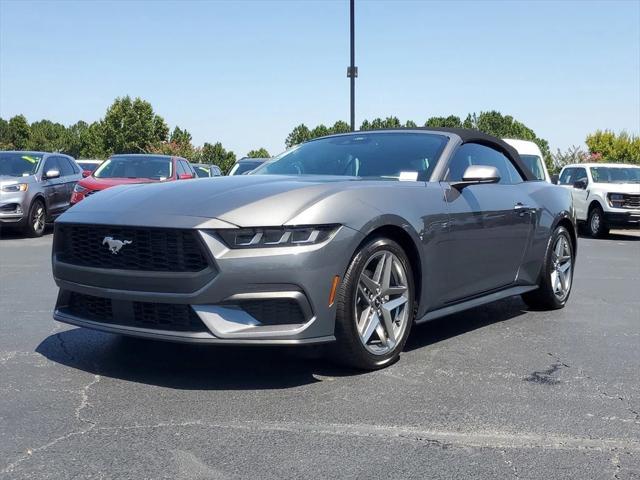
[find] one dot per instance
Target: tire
(552, 295)
(596, 224)
(361, 341)
(36, 221)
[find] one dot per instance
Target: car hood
(101, 183)
(244, 200)
(619, 187)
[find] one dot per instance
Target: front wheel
(557, 274)
(375, 306)
(596, 225)
(36, 219)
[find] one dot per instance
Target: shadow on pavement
(12, 233)
(202, 367)
(450, 326)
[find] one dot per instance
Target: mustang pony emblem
(115, 245)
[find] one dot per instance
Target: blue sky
(245, 73)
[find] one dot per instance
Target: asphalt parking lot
(496, 392)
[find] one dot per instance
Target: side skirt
(475, 302)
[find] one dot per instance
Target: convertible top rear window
(370, 155)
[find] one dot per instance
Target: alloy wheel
(595, 223)
(561, 267)
(38, 219)
(382, 303)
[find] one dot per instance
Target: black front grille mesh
(154, 316)
(150, 249)
(280, 311)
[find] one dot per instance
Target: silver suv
(35, 187)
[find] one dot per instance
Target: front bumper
(13, 208)
(267, 296)
(622, 219)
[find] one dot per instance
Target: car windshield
(406, 156)
(201, 171)
(152, 167)
(616, 174)
(241, 168)
(19, 164)
(534, 163)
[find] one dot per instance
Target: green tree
(299, 134)
(5, 138)
(410, 124)
(217, 155)
(19, 132)
(47, 136)
(612, 147)
(179, 136)
(131, 126)
(340, 127)
(444, 122)
(320, 131)
(259, 153)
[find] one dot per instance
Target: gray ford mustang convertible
(348, 240)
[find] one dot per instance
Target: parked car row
(36, 187)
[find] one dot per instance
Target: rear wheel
(375, 306)
(596, 224)
(36, 219)
(557, 274)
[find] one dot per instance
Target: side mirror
(580, 184)
(184, 176)
(51, 174)
(86, 173)
(476, 175)
(554, 179)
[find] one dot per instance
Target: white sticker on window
(408, 176)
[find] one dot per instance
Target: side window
(189, 168)
(51, 164)
(180, 167)
(568, 176)
(581, 175)
(65, 166)
(476, 154)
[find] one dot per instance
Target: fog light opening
(334, 287)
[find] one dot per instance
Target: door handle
(521, 206)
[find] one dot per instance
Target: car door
(575, 179)
(53, 187)
(68, 181)
(490, 225)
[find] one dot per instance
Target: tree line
(128, 126)
(131, 126)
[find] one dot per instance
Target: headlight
(15, 187)
(616, 199)
(264, 237)
(79, 189)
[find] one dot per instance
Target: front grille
(150, 249)
(90, 307)
(280, 311)
(630, 201)
(166, 316)
(154, 316)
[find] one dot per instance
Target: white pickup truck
(605, 195)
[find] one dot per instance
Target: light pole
(352, 71)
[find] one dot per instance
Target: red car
(127, 169)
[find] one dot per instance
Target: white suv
(605, 195)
